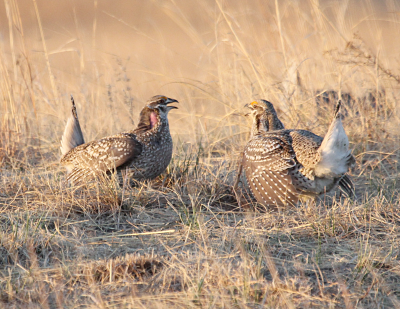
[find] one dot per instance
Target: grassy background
(182, 241)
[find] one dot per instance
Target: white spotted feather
(282, 165)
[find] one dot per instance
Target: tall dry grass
(182, 240)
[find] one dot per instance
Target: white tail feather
(334, 151)
(72, 136)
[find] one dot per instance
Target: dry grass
(182, 240)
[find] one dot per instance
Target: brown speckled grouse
(144, 152)
(283, 165)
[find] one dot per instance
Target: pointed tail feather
(347, 187)
(337, 109)
(72, 136)
(334, 151)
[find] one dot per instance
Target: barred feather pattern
(268, 160)
(144, 152)
(280, 165)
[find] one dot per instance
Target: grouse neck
(150, 122)
(260, 124)
(255, 128)
(274, 123)
(154, 128)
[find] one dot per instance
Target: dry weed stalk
(182, 241)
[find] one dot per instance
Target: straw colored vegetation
(183, 240)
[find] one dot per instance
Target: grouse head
(155, 113)
(264, 117)
(160, 103)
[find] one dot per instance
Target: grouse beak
(168, 101)
(249, 106)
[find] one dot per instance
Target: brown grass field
(184, 240)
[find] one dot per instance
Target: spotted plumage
(283, 165)
(144, 152)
